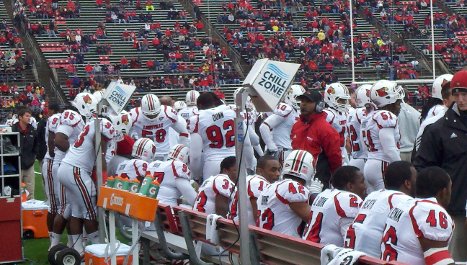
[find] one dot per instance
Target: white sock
(70, 241)
(93, 237)
(78, 243)
(54, 239)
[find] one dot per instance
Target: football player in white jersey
(275, 129)
(173, 135)
(215, 193)
(153, 121)
(75, 174)
(10, 119)
(71, 125)
(336, 97)
(334, 209)
(354, 124)
(179, 105)
(367, 228)
(437, 112)
(47, 164)
(212, 134)
(267, 172)
(174, 177)
(283, 207)
(124, 143)
(190, 109)
(142, 153)
(249, 116)
(418, 231)
(437, 99)
(381, 132)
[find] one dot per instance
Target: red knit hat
(459, 82)
(125, 146)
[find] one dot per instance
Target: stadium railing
(177, 228)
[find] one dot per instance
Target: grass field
(35, 250)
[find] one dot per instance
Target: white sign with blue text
(270, 81)
(118, 95)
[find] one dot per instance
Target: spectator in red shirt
(150, 64)
(88, 68)
(124, 63)
(219, 93)
(4, 88)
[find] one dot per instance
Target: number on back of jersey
(283, 110)
(385, 119)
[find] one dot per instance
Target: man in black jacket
(28, 146)
(444, 144)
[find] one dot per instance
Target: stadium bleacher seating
(411, 20)
(62, 50)
(246, 22)
(16, 67)
(110, 31)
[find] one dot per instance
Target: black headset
(320, 105)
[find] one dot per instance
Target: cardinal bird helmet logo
(125, 119)
(87, 99)
(382, 92)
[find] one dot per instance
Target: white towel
(211, 229)
(333, 255)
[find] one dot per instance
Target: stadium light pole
(432, 41)
(240, 135)
(352, 55)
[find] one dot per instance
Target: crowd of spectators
(407, 13)
(182, 50)
(32, 95)
(280, 30)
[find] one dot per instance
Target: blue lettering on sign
(118, 97)
(277, 71)
(273, 83)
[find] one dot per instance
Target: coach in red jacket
(315, 135)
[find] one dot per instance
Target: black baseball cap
(311, 95)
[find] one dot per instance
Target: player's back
(113, 164)
(281, 133)
(274, 209)
(211, 187)
(407, 222)
(367, 228)
(188, 112)
(132, 169)
(378, 120)
(332, 210)
(166, 173)
(354, 128)
(216, 126)
(82, 153)
(51, 126)
(71, 125)
(436, 110)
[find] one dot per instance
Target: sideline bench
(178, 227)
